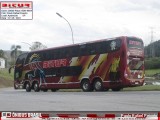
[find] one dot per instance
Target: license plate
(136, 83)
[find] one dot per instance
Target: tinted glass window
(21, 58)
(83, 50)
(56, 54)
(109, 46)
(64, 71)
(75, 51)
(136, 64)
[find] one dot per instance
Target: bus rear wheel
(53, 90)
(116, 89)
(98, 86)
(28, 87)
(36, 87)
(44, 90)
(86, 86)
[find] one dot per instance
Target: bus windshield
(19, 65)
(136, 64)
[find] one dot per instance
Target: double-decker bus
(98, 65)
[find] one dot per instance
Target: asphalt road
(19, 100)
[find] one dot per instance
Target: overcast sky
(90, 20)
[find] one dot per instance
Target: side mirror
(9, 70)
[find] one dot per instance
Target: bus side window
(58, 72)
(83, 50)
(91, 49)
(100, 48)
(64, 71)
(48, 55)
(44, 56)
(74, 51)
(61, 53)
(68, 52)
(27, 59)
(64, 53)
(56, 54)
(118, 42)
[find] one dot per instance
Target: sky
(90, 20)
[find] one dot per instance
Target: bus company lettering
(16, 5)
(55, 63)
(131, 42)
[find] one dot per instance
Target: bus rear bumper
(136, 83)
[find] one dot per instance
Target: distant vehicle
(98, 65)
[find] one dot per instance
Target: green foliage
(5, 74)
(15, 52)
(37, 46)
(152, 63)
(143, 88)
(151, 72)
(6, 79)
(152, 55)
(2, 53)
(153, 49)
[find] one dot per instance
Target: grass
(143, 88)
(151, 72)
(5, 74)
(6, 79)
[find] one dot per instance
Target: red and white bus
(98, 65)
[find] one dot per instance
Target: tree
(153, 49)
(15, 52)
(1, 53)
(37, 46)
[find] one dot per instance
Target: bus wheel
(105, 89)
(28, 87)
(36, 87)
(44, 90)
(86, 86)
(98, 86)
(53, 90)
(116, 89)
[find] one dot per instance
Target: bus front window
(136, 64)
(135, 68)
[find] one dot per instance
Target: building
(2, 63)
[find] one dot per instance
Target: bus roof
(77, 44)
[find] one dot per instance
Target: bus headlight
(126, 75)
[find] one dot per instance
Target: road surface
(19, 100)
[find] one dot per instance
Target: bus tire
(28, 87)
(44, 90)
(116, 89)
(53, 90)
(98, 86)
(86, 86)
(36, 87)
(105, 89)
